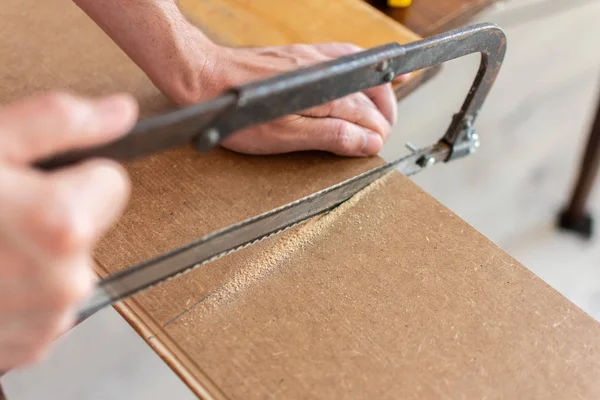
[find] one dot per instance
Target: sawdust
(285, 246)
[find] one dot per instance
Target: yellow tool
(399, 3)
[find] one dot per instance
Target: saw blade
(215, 245)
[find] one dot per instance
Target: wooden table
(428, 17)
(262, 23)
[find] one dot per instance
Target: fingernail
(373, 144)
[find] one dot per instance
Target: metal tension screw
(474, 142)
(425, 161)
(413, 149)
(389, 76)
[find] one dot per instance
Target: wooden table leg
(576, 218)
(2, 395)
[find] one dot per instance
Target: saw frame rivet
(388, 77)
(382, 66)
(211, 137)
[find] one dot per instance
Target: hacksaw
(208, 123)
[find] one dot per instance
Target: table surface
(261, 22)
(428, 17)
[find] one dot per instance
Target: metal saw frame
(208, 123)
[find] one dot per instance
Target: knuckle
(307, 53)
(65, 233)
(350, 47)
(81, 282)
(301, 48)
(62, 105)
(371, 116)
(69, 232)
(379, 124)
(62, 299)
(109, 171)
(346, 108)
(343, 108)
(333, 108)
(81, 288)
(354, 104)
(186, 94)
(345, 139)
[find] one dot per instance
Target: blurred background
(533, 129)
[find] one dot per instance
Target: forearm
(159, 39)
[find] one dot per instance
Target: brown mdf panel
(428, 17)
(389, 296)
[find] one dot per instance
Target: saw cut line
(284, 248)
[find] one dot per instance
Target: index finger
(49, 123)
